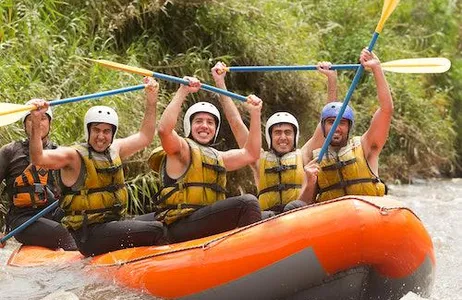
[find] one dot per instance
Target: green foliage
(43, 43)
(141, 190)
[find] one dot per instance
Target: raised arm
(375, 137)
(318, 138)
(62, 157)
(232, 114)
(324, 68)
(140, 140)
(315, 142)
(250, 153)
(172, 143)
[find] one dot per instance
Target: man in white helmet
(31, 188)
(192, 202)
(279, 173)
(94, 193)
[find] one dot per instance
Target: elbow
(254, 157)
(163, 131)
(389, 109)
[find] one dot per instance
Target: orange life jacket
(33, 188)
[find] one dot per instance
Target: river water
(437, 202)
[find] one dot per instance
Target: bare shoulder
(117, 144)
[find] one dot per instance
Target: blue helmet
(332, 109)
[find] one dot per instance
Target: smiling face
(203, 128)
(282, 138)
(340, 137)
(44, 125)
(100, 136)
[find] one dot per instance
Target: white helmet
(49, 112)
(101, 114)
(200, 107)
(277, 118)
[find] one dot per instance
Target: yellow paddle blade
(117, 66)
(418, 65)
(388, 7)
(11, 112)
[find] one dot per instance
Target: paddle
(27, 223)
(11, 112)
(411, 65)
(388, 7)
(145, 72)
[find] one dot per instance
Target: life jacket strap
(345, 183)
(280, 168)
(339, 165)
(280, 187)
(180, 186)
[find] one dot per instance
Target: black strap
(109, 170)
(339, 165)
(110, 188)
(280, 168)
(280, 187)
(179, 186)
(35, 188)
(216, 168)
(345, 183)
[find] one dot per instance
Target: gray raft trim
(300, 276)
(277, 281)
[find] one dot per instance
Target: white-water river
(438, 203)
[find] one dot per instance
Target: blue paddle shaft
(30, 221)
(97, 95)
(205, 87)
(359, 73)
(289, 68)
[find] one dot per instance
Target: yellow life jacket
(33, 188)
(102, 196)
(281, 179)
(347, 172)
(203, 183)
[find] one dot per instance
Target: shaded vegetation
(43, 43)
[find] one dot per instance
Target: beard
(339, 142)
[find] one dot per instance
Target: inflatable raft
(353, 247)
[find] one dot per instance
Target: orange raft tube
(354, 247)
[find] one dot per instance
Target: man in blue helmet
(350, 165)
(278, 173)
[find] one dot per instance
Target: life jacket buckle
(38, 188)
(281, 186)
